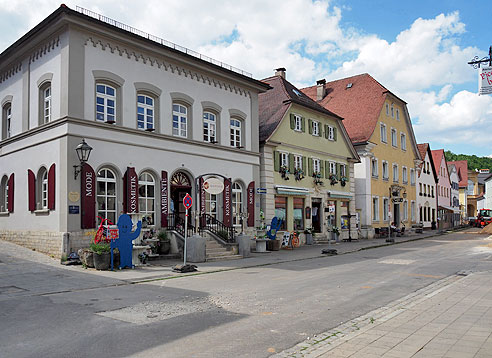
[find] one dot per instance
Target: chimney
(320, 89)
(280, 72)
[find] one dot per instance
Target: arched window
(105, 103)
(237, 203)
(6, 120)
(236, 133)
(42, 189)
(209, 127)
(146, 197)
(4, 194)
(145, 112)
(180, 120)
(106, 194)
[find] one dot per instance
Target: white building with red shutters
(161, 120)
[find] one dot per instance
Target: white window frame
(333, 168)
(237, 203)
(385, 170)
(4, 194)
(180, 120)
(235, 132)
(106, 180)
(412, 176)
(315, 128)
(394, 137)
(147, 180)
(211, 205)
(385, 209)
(404, 175)
(397, 114)
(105, 103)
(374, 168)
(44, 190)
(343, 170)
(47, 104)
(387, 109)
(145, 112)
(384, 136)
(331, 133)
(375, 208)
(396, 173)
(209, 127)
(297, 161)
(405, 210)
(284, 159)
(297, 123)
(316, 165)
(7, 119)
(412, 210)
(403, 141)
(392, 111)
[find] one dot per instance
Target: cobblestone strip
(326, 341)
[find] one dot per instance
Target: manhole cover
(10, 289)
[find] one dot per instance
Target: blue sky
(417, 49)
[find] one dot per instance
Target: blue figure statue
(124, 241)
(274, 227)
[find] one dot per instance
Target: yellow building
(307, 162)
(380, 129)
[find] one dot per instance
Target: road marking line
(396, 262)
(366, 287)
(422, 275)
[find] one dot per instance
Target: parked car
(484, 217)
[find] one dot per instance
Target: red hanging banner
(10, 204)
(227, 209)
(51, 187)
(131, 179)
(251, 204)
(88, 197)
(164, 199)
(31, 188)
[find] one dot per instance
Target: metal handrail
(177, 223)
(208, 222)
(159, 40)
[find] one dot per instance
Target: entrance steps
(216, 252)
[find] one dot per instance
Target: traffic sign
(187, 201)
(261, 191)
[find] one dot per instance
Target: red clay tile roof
(422, 150)
(358, 99)
(462, 167)
(274, 103)
(437, 157)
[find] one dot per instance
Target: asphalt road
(250, 312)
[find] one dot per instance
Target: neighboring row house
(427, 188)
(445, 211)
(307, 162)
(160, 122)
(462, 171)
(379, 126)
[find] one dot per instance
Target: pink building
(445, 211)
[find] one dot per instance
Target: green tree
(474, 162)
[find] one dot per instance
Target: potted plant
(343, 181)
(102, 256)
(333, 179)
(86, 257)
(164, 242)
(284, 171)
(335, 233)
(298, 174)
(317, 179)
(309, 235)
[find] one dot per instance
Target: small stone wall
(47, 242)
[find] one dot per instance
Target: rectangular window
(105, 103)
(397, 114)
(333, 168)
(412, 210)
(209, 127)
(405, 208)
(392, 111)
(412, 176)
(316, 128)
(375, 208)
(180, 120)
(235, 129)
(316, 166)
(384, 138)
(395, 173)
(374, 167)
(432, 191)
(47, 104)
(343, 170)
(298, 214)
(387, 109)
(298, 162)
(297, 123)
(385, 170)
(420, 188)
(145, 112)
(284, 159)
(394, 141)
(385, 209)
(331, 133)
(403, 140)
(281, 211)
(404, 175)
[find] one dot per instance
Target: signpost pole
(186, 234)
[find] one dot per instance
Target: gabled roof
(462, 168)
(274, 103)
(358, 99)
(423, 149)
(437, 156)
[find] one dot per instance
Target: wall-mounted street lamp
(83, 152)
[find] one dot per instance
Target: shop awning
(291, 190)
(444, 207)
(339, 195)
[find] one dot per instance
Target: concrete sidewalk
(162, 269)
(451, 318)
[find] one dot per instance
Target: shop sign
(485, 80)
(213, 186)
(227, 203)
(132, 191)
(251, 204)
(88, 197)
(331, 208)
(164, 199)
(73, 209)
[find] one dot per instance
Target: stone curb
(324, 342)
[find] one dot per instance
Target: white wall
(426, 201)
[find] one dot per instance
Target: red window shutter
(31, 186)
(251, 204)
(10, 193)
(51, 187)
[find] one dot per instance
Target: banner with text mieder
(485, 80)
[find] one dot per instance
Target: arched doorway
(180, 186)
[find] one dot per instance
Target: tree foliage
(474, 162)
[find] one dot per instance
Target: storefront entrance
(316, 215)
(180, 186)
